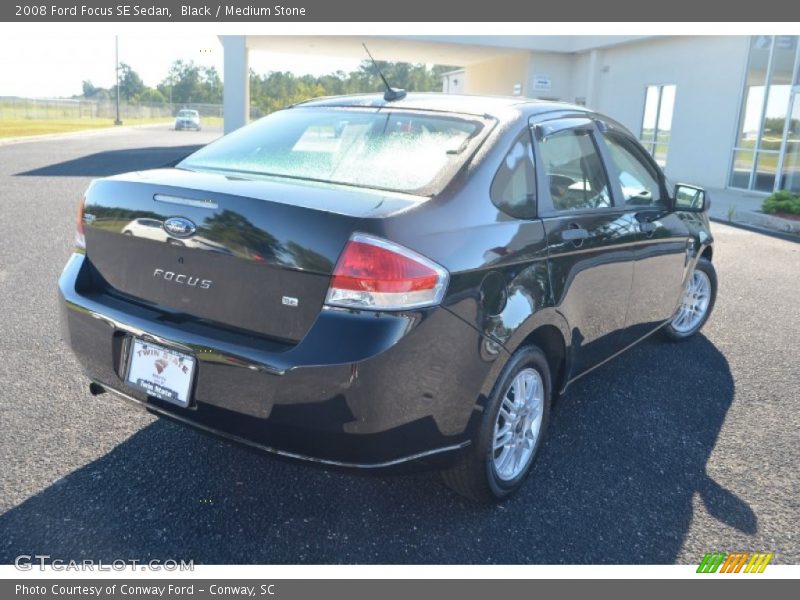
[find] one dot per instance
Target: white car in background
(187, 119)
(151, 229)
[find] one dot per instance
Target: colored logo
(160, 365)
(179, 227)
(734, 562)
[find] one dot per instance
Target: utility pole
(116, 46)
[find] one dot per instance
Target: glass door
(765, 157)
(790, 173)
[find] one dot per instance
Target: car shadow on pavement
(113, 162)
(616, 483)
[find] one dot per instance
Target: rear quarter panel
(499, 280)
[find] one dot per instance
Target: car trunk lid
(255, 255)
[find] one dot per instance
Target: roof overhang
(439, 49)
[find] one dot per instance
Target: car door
(590, 239)
(662, 240)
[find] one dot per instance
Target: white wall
(454, 82)
(707, 70)
(499, 76)
(554, 68)
(708, 73)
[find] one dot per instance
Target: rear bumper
(360, 389)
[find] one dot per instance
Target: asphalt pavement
(668, 452)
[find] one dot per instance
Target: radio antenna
(391, 94)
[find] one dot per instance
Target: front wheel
(511, 431)
(696, 304)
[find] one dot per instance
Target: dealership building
(717, 111)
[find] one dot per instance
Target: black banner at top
(451, 11)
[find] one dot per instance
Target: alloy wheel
(518, 425)
(694, 303)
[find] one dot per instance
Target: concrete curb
(788, 237)
(772, 222)
(756, 218)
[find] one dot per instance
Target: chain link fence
(60, 108)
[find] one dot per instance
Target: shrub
(782, 201)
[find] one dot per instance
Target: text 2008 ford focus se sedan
(362, 281)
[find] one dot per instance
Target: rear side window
(515, 181)
(575, 172)
(637, 177)
(402, 151)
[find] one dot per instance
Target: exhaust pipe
(95, 389)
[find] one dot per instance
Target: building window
(790, 172)
(659, 103)
(766, 140)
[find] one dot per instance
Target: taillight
(80, 238)
(376, 274)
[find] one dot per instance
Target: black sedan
(363, 281)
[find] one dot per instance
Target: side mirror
(691, 198)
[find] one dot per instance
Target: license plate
(161, 372)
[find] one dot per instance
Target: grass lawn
(26, 127)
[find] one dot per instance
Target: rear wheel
(511, 431)
(696, 304)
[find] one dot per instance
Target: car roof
(492, 106)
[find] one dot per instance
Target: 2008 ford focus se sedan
(362, 282)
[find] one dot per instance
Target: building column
(236, 79)
(591, 83)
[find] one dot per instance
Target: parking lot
(668, 452)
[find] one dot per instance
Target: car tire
(704, 278)
(477, 475)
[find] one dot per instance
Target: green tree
(89, 89)
(130, 84)
(276, 89)
(182, 83)
(211, 84)
(152, 96)
(190, 83)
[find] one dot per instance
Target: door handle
(574, 234)
(647, 227)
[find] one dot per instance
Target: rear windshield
(400, 151)
(187, 113)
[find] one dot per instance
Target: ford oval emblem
(179, 227)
